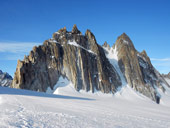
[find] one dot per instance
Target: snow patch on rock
(53, 40)
(77, 45)
(113, 58)
(126, 42)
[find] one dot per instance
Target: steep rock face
(69, 54)
(137, 69)
(5, 79)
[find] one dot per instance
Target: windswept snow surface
(71, 109)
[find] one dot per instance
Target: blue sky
(25, 23)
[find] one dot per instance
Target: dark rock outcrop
(69, 54)
(5, 79)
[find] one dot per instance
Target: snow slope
(126, 109)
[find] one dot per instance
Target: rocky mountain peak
(144, 53)
(75, 30)
(137, 69)
(124, 36)
(90, 35)
(81, 60)
(5, 79)
(124, 40)
(62, 30)
(106, 45)
(5, 74)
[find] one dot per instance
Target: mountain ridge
(84, 62)
(5, 79)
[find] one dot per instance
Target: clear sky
(25, 23)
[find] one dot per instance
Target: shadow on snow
(13, 91)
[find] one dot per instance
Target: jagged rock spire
(75, 30)
(89, 35)
(63, 30)
(144, 53)
(124, 34)
(106, 45)
(125, 37)
(92, 43)
(138, 69)
(124, 40)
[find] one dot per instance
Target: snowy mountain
(89, 66)
(5, 79)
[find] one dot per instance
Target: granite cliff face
(82, 61)
(5, 79)
(69, 54)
